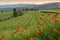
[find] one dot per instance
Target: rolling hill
(47, 6)
(33, 25)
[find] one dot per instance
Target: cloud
(26, 1)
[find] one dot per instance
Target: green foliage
(20, 12)
(1, 10)
(15, 13)
(49, 11)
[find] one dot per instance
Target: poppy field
(33, 25)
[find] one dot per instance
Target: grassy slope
(30, 20)
(5, 14)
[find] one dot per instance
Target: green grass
(5, 14)
(30, 20)
(52, 11)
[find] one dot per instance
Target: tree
(20, 12)
(1, 10)
(14, 13)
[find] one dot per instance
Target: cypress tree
(14, 13)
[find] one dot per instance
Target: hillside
(33, 25)
(47, 6)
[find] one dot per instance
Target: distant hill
(46, 6)
(49, 6)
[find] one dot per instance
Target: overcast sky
(26, 1)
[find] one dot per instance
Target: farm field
(33, 25)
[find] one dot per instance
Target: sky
(27, 1)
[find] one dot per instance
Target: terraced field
(33, 25)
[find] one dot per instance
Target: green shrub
(20, 12)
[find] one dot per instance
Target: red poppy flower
(55, 20)
(54, 17)
(0, 38)
(32, 38)
(41, 17)
(42, 27)
(24, 28)
(49, 14)
(55, 30)
(56, 14)
(37, 32)
(42, 14)
(3, 36)
(17, 28)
